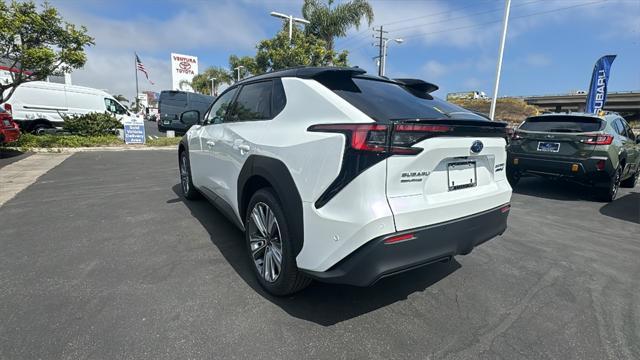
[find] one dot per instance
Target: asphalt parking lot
(102, 259)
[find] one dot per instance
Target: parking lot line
(18, 176)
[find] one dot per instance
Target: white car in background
(347, 178)
(40, 105)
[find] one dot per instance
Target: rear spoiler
(418, 85)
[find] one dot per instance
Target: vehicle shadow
(625, 208)
(323, 304)
(554, 189)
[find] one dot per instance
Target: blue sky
(551, 47)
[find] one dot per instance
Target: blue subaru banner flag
(598, 89)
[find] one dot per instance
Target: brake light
(8, 108)
(598, 139)
(399, 238)
(398, 139)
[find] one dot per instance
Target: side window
(253, 102)
(617, 124)
(114, 107)
(278, 99)
(627, 128)
(219, 108)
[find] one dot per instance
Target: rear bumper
(587, 168)
(377, 259)
(9, 135)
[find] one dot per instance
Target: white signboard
(183, 67)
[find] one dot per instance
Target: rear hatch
(443, 162)
(557, 136)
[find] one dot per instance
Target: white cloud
(191, 30)
(537, 60)
(434, 69)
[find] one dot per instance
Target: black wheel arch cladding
(274, 173)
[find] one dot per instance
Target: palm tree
(328, 23)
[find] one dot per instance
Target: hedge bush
(91, 124)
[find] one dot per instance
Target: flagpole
(135, 66)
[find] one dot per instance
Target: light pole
(384, 53)
(291, 20)
(238, 70)
(507, 7)
(213, 86)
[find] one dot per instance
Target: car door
(242, 132)
(203, 156)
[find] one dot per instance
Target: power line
(497, 21)
(359, 34)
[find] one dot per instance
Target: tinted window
(279, 99)
(568, 124)
(173, 98)
(627, 128)
(619, 127)
(390, 101)
(114, 107)
(254, 102)
(220, 107)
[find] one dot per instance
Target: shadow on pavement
(554, 189)
(625, 208)
(8, 156)
(324, 304)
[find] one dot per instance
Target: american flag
(140, 67)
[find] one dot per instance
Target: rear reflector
(600, 164)
(505, 208)
(575, 167)
(8, 108)
(399, 238)
(598, 139)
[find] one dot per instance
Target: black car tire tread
(192, 194)
(291, 280)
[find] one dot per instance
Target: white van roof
(63, 87)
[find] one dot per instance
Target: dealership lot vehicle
(324, 191)
(138, 272)
(601, 151)
(172, 103)
(40, 105)
(9, 129)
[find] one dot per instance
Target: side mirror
(190, 117)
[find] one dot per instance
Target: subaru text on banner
(342, 177)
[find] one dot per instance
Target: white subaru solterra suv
(343, 177)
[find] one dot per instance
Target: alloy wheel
(265, 242)
(184, 174)
(616, 183)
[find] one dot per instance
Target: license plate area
(548, 146)
(167, 122)
(461, 175)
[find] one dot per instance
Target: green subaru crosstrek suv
(601, 151)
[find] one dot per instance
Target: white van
(40, 105)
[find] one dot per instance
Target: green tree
(202, 82)
(329, 22)
(278, 53)
(38, 43)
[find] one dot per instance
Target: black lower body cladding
(377, 258)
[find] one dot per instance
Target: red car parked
(9, 129)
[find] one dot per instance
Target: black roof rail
(418, 85)
(306, 72)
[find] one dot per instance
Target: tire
(266, 243)
(186, 182)
(631, 181)
(610, 191)
(513, 176)
(40, 128)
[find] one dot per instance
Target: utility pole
(380, 45)
(505, 24)
(238, 69)
(291, 20)
(213, 86)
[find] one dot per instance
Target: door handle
(211, 143)
(244, 148)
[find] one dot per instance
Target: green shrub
(91, 124)
(164, 141)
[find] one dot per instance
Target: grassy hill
(507, 109)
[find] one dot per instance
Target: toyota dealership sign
(183, 67)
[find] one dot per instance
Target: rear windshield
(566, 124)
(173, 98)
(383, 100)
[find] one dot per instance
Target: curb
(90, 149)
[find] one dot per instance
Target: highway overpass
(626, 103)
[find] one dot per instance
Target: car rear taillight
(598, 139)
(8, 108)
(389, 139)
